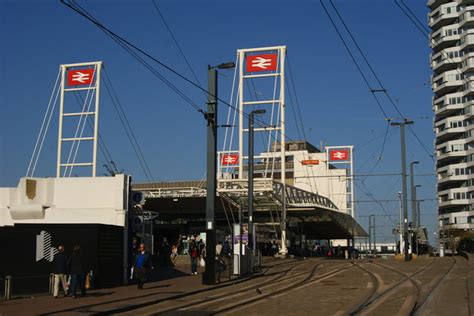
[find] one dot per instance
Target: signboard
(230, 159)
(264, 62)
(310, 162)
(80, 77)
(342, 154)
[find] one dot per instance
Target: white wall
(100, 200)
(320, 179)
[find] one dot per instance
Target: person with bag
(60, 271)
(76, 268)
(142, 264)
(194, 254)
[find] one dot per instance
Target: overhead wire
(117, 105)
(382, 87)
(155, 4)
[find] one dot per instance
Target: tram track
(419, 299)
(307, 281)
(232, 301)
(237, 285)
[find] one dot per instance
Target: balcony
(433, 4)
(451, 155)
(443, 15)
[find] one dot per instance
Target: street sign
(341, 154)
(80, 77)
(264, 62)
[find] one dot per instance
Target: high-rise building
(452, 62)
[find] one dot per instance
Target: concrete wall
(100, 200)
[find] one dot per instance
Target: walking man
(76, 268)
(141, 266)
(60, 271)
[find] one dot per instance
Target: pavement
(171, 282)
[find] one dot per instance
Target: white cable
(46, 130)
(229, 109)
(42, 126)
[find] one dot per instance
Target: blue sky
(38, 36)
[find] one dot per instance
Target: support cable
(43, 129)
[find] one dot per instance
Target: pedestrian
(221, 266)
(142, 264)
(174, 254)
(194, 254)
(76, 269)
(60, 271)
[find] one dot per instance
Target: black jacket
(75, 264)
(60, 263)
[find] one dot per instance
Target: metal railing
(8, 283)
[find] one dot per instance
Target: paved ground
(426, 286)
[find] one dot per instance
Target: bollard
(51, 283)
(8, 287)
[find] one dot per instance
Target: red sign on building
(339, 154)
(80, 77)
(230, 159)
(310, 162)
(264, 62)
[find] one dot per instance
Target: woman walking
(76, 268)
(194, 254)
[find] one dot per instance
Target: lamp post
(209, 276)
(415, 224)
(413, 194)
(404, 182)
(250, 179)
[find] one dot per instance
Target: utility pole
(404, 182)
(401, 222)
(250, 179)
(413, 194)
(209, 276)
(418, 212)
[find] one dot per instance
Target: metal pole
(370, 235)
(8, 287)
(240, 92)
(60, 127)
(400, 223)
(353, 213)
(250, 182)
(413, 195)
(96, 118)
(374, 231)
(284, 251)
(241, 260)
(418, 212)
(209, 276)
(404, 182)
